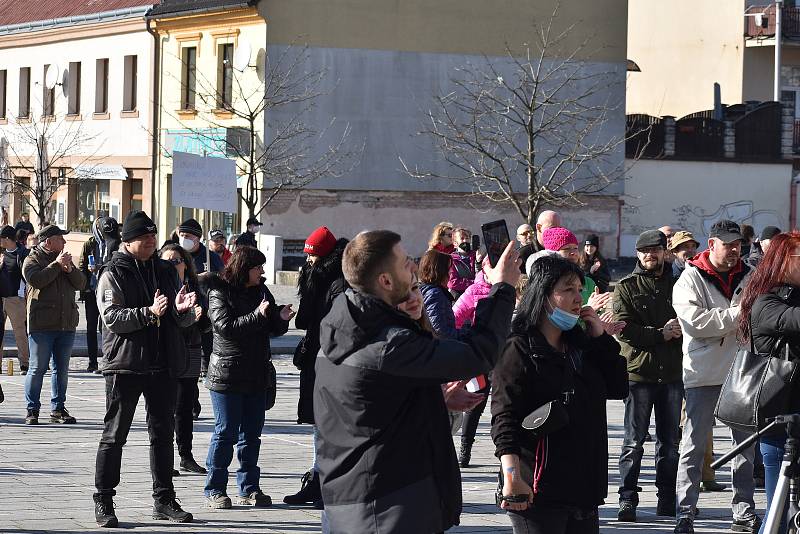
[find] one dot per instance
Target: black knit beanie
(137, 223)
(191, 226)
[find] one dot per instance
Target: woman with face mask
(554, 483)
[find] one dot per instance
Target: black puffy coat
(241, 350)
(318, 286)
(573, 460)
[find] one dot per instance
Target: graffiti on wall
(698, 221)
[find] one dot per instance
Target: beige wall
(447, 26)
(692, 195)
(683, 47)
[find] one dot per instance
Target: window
(3, 77)
(101, 86)
(24, 93)
(137, 193)
(93, 202)
(188, 77)
(74, 88)
(48, 97)
(129, 90)
(225, 76)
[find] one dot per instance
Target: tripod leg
(775, 514)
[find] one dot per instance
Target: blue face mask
(562, 320)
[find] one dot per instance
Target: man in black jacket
(248, 238)
(651, 344)
(385, 454)
(14, 301)
(144, 350)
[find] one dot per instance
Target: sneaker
(666, 507)
(23, 370)
(749, 524)
(257, 499)
(61, 416)
(171, 511)
(309, 490)
(685, 526)
(92, 367)
(104, 511)
(627, 511)
(32, 418)
(218, 502)
(712, 485)
(188, 464)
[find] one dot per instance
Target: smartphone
(496, 239)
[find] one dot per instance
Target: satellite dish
(261, 64)
(51, 76)
(65, 83)
(241, 58)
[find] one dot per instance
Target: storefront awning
(100, 172)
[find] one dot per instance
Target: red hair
(770, 273)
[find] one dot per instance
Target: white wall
(692, 195)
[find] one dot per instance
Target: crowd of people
(399, 355)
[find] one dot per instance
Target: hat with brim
(681, 237)
(51, 230)
(651, 238)
(726, 231)
(252, 221)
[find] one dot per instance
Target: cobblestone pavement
(46, 472)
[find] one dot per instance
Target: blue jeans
(772, 451)
(44, 347)
(238, 420)
(644, 398)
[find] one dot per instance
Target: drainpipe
(778, 38)
(793, 203)
(155, 122)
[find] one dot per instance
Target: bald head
(547, 219)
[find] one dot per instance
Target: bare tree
(43, 155)
(530, 129)
(293, 154)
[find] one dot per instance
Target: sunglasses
(176, 261)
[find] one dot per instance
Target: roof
(178, 7)
(24, 11)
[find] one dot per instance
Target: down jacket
(464, 308)
(707, 305)
(439, 309)
(385, 453)
(241, 350)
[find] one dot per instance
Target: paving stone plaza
(47, 472)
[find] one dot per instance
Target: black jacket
(12, 267)
(318, 287)
(644, 301)
(775, 318)
(575, 458)
(602, 276)
(134, 342)
(246, 239)
(200, 264)
(241, 336)
(385, 453)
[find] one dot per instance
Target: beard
(400, 292)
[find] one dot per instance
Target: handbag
(299, 354)
(758, 387)
(271, 387)
(552, 416)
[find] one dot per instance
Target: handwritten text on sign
(203, 183)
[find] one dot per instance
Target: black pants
(550, 521)
(188, 394)
(92, 322)
(473, 417)
(122, 396)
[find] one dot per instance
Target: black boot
(171, 511)
(465, 454)
(188, 464)
(309, 492)
(104, 511)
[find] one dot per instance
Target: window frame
(24, 96)
(101, 86)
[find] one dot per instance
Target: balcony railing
(790, 23)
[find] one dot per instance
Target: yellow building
(208, 96)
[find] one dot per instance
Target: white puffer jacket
(708, 320)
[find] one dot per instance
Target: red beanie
(557, 238)
(321, 242)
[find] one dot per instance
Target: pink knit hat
(557, 238)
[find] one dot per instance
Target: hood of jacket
(726, 282)
(354, 320)
(318, 277)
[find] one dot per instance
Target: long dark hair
(236, 271)
(585, 261)
(191, 272)
(545, 273)
(434, 268)
(770, 273)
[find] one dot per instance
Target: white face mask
(186, 243)
(252, 229)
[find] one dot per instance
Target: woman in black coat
(770, 317)
(244, 317)
(555, 483)
(593, 263)
(321, 281)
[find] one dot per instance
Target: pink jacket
(464, 308)
(462, 271)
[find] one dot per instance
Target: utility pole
(778, 38)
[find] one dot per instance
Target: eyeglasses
(650, 250)
(176, 261)
(527, 232)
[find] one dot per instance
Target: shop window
(93, 201)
